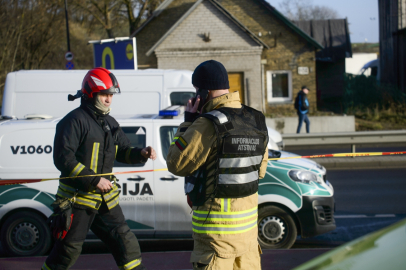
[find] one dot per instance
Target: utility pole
(67, 25)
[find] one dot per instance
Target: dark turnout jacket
(87, 143)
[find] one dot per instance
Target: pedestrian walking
(302, 107)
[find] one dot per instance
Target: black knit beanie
(210, 75)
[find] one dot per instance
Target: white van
(371, 69)
(295, 197)
(43, 94)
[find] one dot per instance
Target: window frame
(160, 138)
(125, 165)
(271, 99)
(181, 91)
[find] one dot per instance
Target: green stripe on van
(137, 226)
(19, 192)
(269, 189)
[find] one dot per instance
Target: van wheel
(276, 228)
(25, 234)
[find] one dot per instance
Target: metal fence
(347, 138)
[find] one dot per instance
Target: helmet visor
(115, 89)
(112, 90)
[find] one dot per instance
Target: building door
(237, 84)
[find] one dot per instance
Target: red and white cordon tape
(4, 182)
(347, 155)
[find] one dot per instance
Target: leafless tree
(105, 12)
(33, 33)
(30, 32)
(113, 15)
(137, 11)
(304, 10)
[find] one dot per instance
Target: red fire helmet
(99, 80)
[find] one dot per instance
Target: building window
(279, 85)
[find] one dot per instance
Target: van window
(137, 136)
(167, 133)
(181, 98)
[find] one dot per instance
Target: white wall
(353, 65)
(318, 124)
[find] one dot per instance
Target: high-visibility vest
(242, 138)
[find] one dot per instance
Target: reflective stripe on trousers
(45, 267)
(131, 264)
(224, 215)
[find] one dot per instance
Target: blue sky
(362, 16)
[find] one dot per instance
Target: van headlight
(303, 176)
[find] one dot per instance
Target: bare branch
(303, 10)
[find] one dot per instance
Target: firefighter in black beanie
(221, 149)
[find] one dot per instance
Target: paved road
(366, 200)
(374, 191)
(273, 259)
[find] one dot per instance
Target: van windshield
(181, 98)
(167, 133)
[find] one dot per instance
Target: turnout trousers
(109, 226)
(226, 236)
(250, 260)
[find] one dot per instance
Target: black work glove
(190, 117)
(61, 220)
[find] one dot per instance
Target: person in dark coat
(302, 107)
(87, 141)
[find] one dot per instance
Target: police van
(295, 197)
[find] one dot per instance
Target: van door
(137, 189)
(172, 213)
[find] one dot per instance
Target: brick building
(268, 58)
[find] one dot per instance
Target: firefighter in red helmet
(87, 141)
